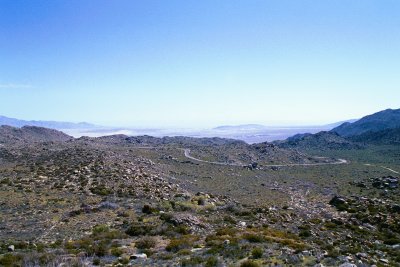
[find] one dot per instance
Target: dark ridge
(386, 119)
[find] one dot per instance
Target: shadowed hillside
(386, 119)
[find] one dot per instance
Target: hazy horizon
(280, 125)
(198, 63)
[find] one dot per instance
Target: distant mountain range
(250, 133)
(243, 127)
(379, 128)
(259, 127)
(47, 124)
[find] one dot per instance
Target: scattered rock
(242, 224)
(141, 256)
(347, 264)
(384, 260)
(336, 201)
(361, 255)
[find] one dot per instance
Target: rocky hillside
(389, 137)
(29, 134)
(386, 119)
(141, 201)
(318, 141)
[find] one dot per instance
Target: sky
(198, 63)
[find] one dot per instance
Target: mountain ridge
(58, 125)
(385, 119)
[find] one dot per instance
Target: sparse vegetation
(103, 201)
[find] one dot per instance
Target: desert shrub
(183, 229)
(10, 259)
(391, 241)
(178, 244)
(185, 206)
(147, 209)
(166, 217)
(342, 206)
(96, 261)
(244, 213)
(315, 221)
(100, 229)
(257, 253)
(100, 249)
(333, 253)
(146, 243)
(201, 201)
(139, 229)
(249, 263)
(226, 231)
(116, 252)
(102, 191)
(46, 258)
(253, 237)
(211, 262)
(330, 225)
(103, 232)
(192, 261)
(229, 219)
(305, 233)
(184, 252)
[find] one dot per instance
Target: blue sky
(198, 63)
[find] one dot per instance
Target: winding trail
(187, 155)
(383, 167)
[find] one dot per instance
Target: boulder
(186, 219)
(141, 256)
(336, 201)
(347, 264)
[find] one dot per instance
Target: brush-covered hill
(318, 141)
(222, 150)
(30, 134)
(386, 119)
(384, 137)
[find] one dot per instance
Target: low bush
(146, 243)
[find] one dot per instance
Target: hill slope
(320, 141)
(388, 136)
(29, 134)
(386, 119)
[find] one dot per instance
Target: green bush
(211, 262)
(254, 238)
(10, 259)
(257, 253)
(147, 209)
(146, 243)
(305, 233)
(178, 244)
(96, 261)
(249, 263)
(116, 252)
(193, 261)
(102, 228)
(138, 229)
